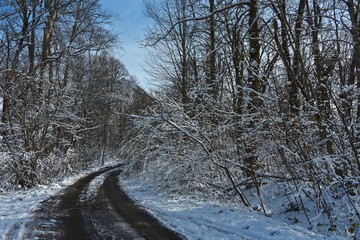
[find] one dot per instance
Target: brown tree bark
(53, 8)
(254, 83)
(322, 97)
(354, 11)
(211, 54)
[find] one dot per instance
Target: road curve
(109, 214)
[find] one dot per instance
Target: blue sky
(130, 24)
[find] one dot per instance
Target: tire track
(76, 224)
(146, 225)
(109, 214)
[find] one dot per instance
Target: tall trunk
(237, 58)
(254, 83)
(237, 71)
(31, 50)
(322, 97)
(74, 32)
(31, 45)
(53, 8)
(184, 62)
(254, 57)
(12, 64)
(297, 59)
(293, 105)
(354, 12)
(291, 86)
(211, 57)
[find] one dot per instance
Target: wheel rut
(109, 214)
(145, 224)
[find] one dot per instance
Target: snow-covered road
(192, 218)
(76, 214)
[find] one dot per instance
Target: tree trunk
(354, 11)
(254, 83)
(211, 55)
(322, 97)
(46, 44)
(184, 62)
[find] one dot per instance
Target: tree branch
(238, 4)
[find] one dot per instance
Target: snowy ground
(193, 218)
(16, 207)
(197, 219)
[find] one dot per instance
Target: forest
(248, 95)
(64, 96)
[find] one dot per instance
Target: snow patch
(211, 220)
(17, 207)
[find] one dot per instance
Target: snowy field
(193, 218)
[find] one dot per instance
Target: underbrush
(318, 193)
(26, 171)
(333, 211)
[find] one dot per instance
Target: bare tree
(280, 79)
(50, 51)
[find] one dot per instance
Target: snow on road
(16, 207)
(193, 218)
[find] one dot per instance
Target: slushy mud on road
(109, 214)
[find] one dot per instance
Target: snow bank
(197, 219)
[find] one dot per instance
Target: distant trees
(62, 93)
(254, 90)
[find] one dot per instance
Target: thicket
(252, 93)
(64, 98)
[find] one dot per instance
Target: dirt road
(107, 214)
